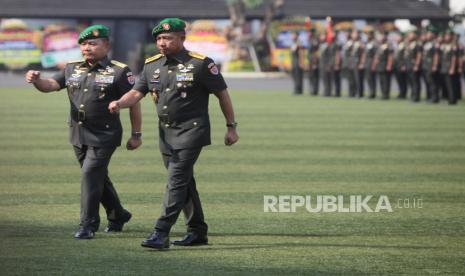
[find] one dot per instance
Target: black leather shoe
(114, 226)
(192, 239)
(84, 234)
(157, 240)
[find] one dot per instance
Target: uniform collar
(103, 63)
(180, 57)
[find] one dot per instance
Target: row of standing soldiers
(438, 59)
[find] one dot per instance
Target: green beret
(370, 31)
(449, 30)
(432, 28)
(94, 31)
(169, 25)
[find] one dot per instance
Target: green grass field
(289, 146)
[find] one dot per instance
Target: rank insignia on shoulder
(155, 57)
(119, 64)
(197, 55)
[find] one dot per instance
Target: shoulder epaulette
(76, 61)
(155, 57)
(119, 64)
(197, 55)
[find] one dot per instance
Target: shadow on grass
(249, 246)
(15, 229)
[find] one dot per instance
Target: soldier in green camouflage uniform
(313, 62)
(337, 60)
(326, 64)
(458, 68)
(346, 49)
(448, 66)
(356, 67)
(412, 56)
(400, 68)
(430, 65)
(383, 63)
(370, 70)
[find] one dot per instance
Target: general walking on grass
(180, 83)
(95, 133)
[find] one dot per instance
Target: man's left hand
(231, 137)
(133, 143)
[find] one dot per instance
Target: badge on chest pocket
(104, 79)
(185, 77)
(184, 80)
(73, 86)
(103, 82)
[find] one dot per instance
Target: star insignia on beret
(166, 26)
(95, 32)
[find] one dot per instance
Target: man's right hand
(32, 76)
(114, 107)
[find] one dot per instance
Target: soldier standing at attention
(448, 66)
(356, 66)
(400, 68)
(337, 60)
(95, 133)
(463, 62)
(430, 65)
(383, 63)
(313, 62)
(326, 64)
(297, 63)
(180, 83)
(370, 71)
(458, 68)
(346, 49)
(413, 62)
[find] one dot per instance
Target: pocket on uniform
(72, 87)
(102, 90)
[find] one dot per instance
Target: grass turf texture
(289, 145)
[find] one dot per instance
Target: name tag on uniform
(185, 77)
(104, 79)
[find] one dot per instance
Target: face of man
(412, 36)
(429, 36)
(355, 35)
(446, 37)
(370, 36)
(94, 50)
(170, 43)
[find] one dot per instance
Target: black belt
(167, 119)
